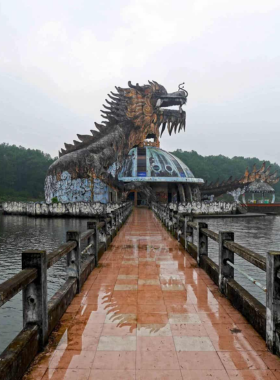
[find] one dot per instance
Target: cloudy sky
(59, 59)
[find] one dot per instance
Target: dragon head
(140, 111)
(147, 107)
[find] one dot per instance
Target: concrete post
(117, 219)
(34, 295)
(225, 271)
(272, 301)
(171, 220)
(185, 231)
(189, 232)
(202, 241)
(74, 258)
(93, 226)
(91, 239)
(178, 226)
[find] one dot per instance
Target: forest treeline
(23, 171)
(212, 168)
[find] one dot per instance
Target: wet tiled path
(147, 312)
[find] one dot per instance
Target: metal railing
(184, 228)
(40, 316)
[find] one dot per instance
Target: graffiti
(206, 208)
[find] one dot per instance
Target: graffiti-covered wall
(68, 190)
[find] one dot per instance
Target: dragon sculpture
(131, 115)
(260, 175)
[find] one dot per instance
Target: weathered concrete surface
(77, 209)
(204, 208)
(19, 354)
(149, 312)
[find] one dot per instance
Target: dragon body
(130, 116)
(218, 188)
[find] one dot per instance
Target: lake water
(18, 233)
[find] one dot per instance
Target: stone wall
(201, 208)
(81, 209)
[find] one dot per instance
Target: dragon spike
(107, 108)
(85, 138)
(59, 154)
(267, 170)
(68, 146)
(99, 126)
(156, 84)
(95, 133)
(137, 87)
(113, 98)
(116, 95)
(106, 112)
(274, 175)
(154, 87)
(120, 90)
(63, 151)
(107, 101)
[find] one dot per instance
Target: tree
(22, 172)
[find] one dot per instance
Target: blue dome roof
(152, 164)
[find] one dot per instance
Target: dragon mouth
(171, 119)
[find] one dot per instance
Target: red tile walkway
(148, 313)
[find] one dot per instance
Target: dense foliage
(212, 168)
(22, 173)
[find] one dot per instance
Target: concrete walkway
(148, 313)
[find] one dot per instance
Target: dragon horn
(137, 87)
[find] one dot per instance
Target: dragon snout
(177, 98)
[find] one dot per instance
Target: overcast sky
(59, 59)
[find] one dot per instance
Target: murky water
(18, 233)
(258, 234)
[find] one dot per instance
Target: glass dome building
(170, 178)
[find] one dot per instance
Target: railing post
(225, 271)
(105, 228)
(189, 232)
(74, 258)
(272, 301)
(202, 241)
(185, 231)
(34, 296)
(96, 244)
(91, 239)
